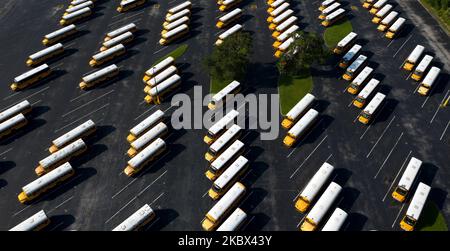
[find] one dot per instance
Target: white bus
(220, 98)
(156, 94)
(413, 58)
(349, 56)
(159, 67)
(80, 132)
(45, 54)
(368, 3)
(382, 13)
(78, 7)
(428, 81)
(107, 55)
(274, 5)
(313, 187)
(30, 77)
(137, 220)
(395, 29)
(227, 33)
(234, 222)
(147, 138)
(99, 76)
(65, 154)
(222, 143)
(131, 27)
(284, 26)
(12, 124)
(377, 6)
(59, 35)
(176, 16)
(415, 207)
(369, 112)
(347, 42)
(147, 155)
(126, 5)
(329, 10)
(300, 128)
(145, 125)
(280, 19)
(124, 38)
(224, 160)
(334, 17)
(407, 180)
(46, 182)
(172, 25)
(75, 16)
(422, 67)
(336, 220)
(220, 127)
(283, 47)
(221, 209)
(228, 4)
(156, 80)
(36, 222)
(77, 2)
(276, 12)
(360, 80)
(325, 4)
(387, 21)
(178, 8)
(174, 34)
(355, 68)
(366, 93)
(285, 35)
(323, 204)
(229, 18)
(23, 107)
(228, 177)
(298, 111)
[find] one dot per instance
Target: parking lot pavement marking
(157, 198)
(396, 176)
(123, 188)
(163, 48)
(10, 96)
(37, 102)
(203, 196)
(55, 227)
(409, 75)
(248, 223)
(415, 90)
(5, 152)
(443, 133)
(62, 203)
(88, 103)
(80, 96)
(381, 136)
(120, 210)
(350, 103)
(29, 96)
(389, 155)
(307, 135)
(306, 159)
(89, 114)
(439, 106)
(370, 125)
(153, 182)
(18, 212)
(426, 100)
(142, 114)
(401, 47)
(396, 218)
(123, 19)
(301, 220)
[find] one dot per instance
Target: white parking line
(17, 213)
(396, 218)
(10, 96)
(80, 96)
(120, 210)
(401, 47)
(55, 227)
(306, 159)
(31, 95)
(142, 114)
(5, 152)
(203, 196)
(370, 126)
(443, 133)
(307, 135)
(381, 136)
(389, 155)
(157, 198)
(88, 103)
(396, 176)
(153, 182)
(73, 122)
(439, 106)
(62, 203)
(163, 48)
(123, 19)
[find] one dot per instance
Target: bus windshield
(359, 99)
(365, 115)
(409, 220)
(216, 189)
(402, 191)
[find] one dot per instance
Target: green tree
(307, 48)
(230, 60)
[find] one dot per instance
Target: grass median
(178, 52)
(337, 32)
(432, 219)
(293, 88)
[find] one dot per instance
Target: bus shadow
(32, 125)
(186, 84)
(3, 183)
(102, 132)
(122, 75)
(319, 129)
(172, 151)
(60, 222)
(348, 197)
(427, 173)
(54, 75)
(65, 54)
(164, 218)
(356, 222)
(386, 113)
(79, 34)
(341, 176)
(253, 153)
(244, 18)
(321, 105)
(256, 169)
(439, 197)
(256, 222)
(141, 32)
(174, 135)
(441, 84)
(90, 154)
(5, 166)
(38, 111)
(93, 16)
(254, 198)
(407, 29)
(248, 136)
(136, 41)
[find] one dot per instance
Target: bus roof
(149, 136)
(347, 39)
(352, 52)
(118, 39)
(380, 3)
(127, 2)
(304, 122)
(230, 15)
(60, 31)
(79, 6)
(357, 63)
(229, 198)
(231, 171)
(227, 2)
(109, 52)
(423, 65)
(176, 23)
(317, 181)
(331, 8)
(285, 45)
(431, 76)
(300, 107)
(11, 122)
(230, 31)
(74, 133)
(100, 73)
(135, 219)
(279, 9)
(411, 171)
(46, 51)
(169, 71)
(384, 10)
(160, 66)
(368, 89)
(288, 22)
(77, 13)
(48, 178)
(336, 220)
(397, 25)
(374, 103)
(418, 201)
(224, 121)
(362, 76)
(335, 14)
(63, 153)
(280, 18)
(15, 109)
(283, 36)
(76, 2)
(389, 18)
(148, 122)
(32, 222)
(179, 7)
(174, 79)
(147, 152)
(34, 71)
(225, 91)
(228, 154)
(324, 203)
(175, 31)
(415, 54)
(178, 15)
(123, 29)
(327, 2)
(277, 3)
(225, 138)
(234, 221)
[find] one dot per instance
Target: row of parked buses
(13, 118)
(176, 23)
(77, 11)
(160, 80)
(331, 12)
(225, 5)
(320, 207)
(229, 18)
(388, 21)
(126, 5)
(282, 23)
(418, 72)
